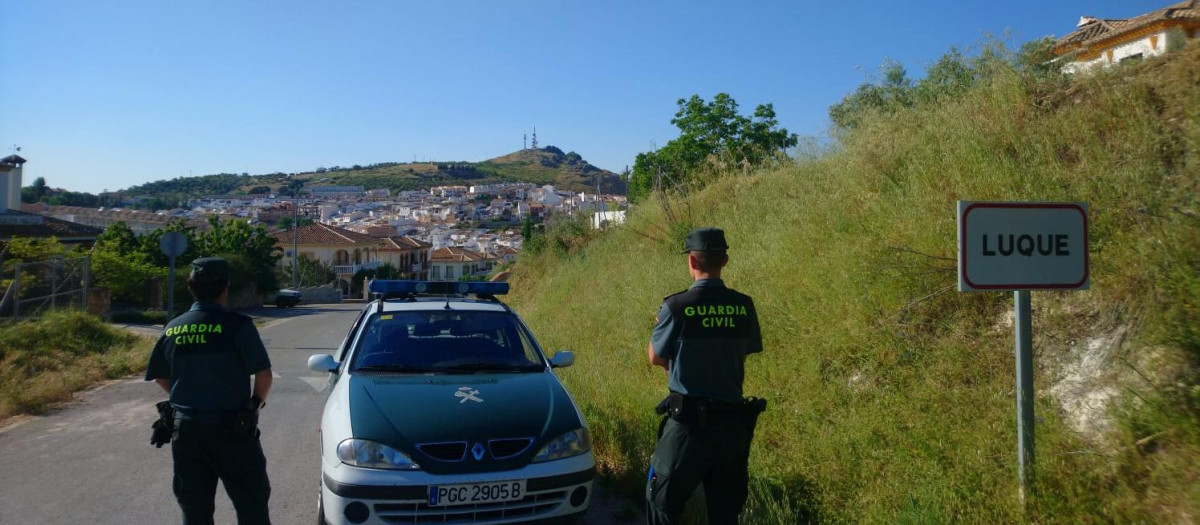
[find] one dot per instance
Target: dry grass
(892, 395)
(44, 361)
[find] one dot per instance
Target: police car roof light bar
(395, 289)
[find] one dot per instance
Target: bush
(45, 360)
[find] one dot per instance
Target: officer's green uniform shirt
(712, 368)
(209, 355)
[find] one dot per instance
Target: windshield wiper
(395, 368)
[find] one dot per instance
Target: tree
(35, 192)
(259, 190)
(709, 129)
(250, 247)
(312, 272)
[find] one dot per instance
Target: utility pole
(296, 233)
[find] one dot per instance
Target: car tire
(321, 510)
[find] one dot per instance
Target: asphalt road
(91, 461)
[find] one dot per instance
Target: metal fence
(37, 287)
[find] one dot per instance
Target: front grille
(507, 448)
(453, 451)
(531, 507)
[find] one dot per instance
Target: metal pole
(1024, 351)
(171, 290)
(87, 280)
(53, 286)
(296, 236)
(17, 292)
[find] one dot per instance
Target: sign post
(1020, 247)
(173, 245)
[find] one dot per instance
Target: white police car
(442, 408)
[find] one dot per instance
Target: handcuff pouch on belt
(244, 421)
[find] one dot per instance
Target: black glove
(164, 426)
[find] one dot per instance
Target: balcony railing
(351, 269)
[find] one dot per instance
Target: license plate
(471, 493)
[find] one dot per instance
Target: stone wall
(313, 295)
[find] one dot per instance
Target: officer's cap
(210, 269)
(705, 240)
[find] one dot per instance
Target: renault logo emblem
(478, 451)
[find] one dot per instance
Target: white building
(603, 219)
(1101, 42)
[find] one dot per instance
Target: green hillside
(891, 394)
(542, 166)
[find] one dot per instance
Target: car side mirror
(322, 363)
(562, 359)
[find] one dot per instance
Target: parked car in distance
(441, 408)
(287, 298)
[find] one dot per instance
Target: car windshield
(445, 342)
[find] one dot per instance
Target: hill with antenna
(548, 165)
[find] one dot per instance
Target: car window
(341, 351)
(445, 341)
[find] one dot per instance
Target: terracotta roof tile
(455, 254)
(32, 225)
(1100, 29)
(323, 234)
(401, 243)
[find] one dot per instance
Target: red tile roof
(323, 234)
(402, 243)
(1100, 29)
(19, 224)
(455, 254)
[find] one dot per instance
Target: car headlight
(572, 443)
(369, 454)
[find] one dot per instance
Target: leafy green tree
(259, 190)
(709, 129)
(35, 192)
(124, 264)
(251, 247)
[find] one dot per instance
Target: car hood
(404, 411)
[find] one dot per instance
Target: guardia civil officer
(204, 360)
(701, 337)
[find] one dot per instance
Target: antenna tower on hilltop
(533, 145)
(524, 141)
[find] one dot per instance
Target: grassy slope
(891, 394)
(44, 361)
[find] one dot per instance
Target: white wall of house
(328, 254)
(1148, 46)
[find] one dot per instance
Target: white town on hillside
(425, 234)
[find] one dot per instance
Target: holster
(244, 422)
(164, 426)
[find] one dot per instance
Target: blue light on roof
(396, 288)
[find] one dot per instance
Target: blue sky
(105, 95)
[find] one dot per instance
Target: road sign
(1018, 247)
(1008, 246)
(173, 244)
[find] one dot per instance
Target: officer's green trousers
(687, 456)
(205, 452)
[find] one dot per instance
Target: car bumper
(554, 490)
